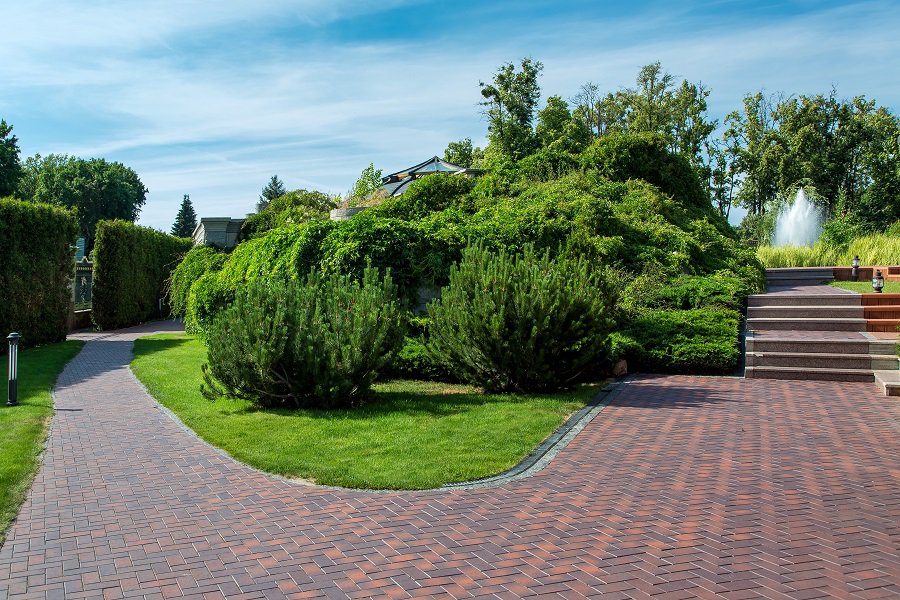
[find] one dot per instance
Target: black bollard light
(878, 282)
(854, 274)
(12, 390)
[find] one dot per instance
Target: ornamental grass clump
(313, 343)
(522, 322)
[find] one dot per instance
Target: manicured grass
(23, 428)
(865, 287)
(413, 435)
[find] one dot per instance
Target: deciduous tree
(10, 167)
(95, 188)
(510, 103)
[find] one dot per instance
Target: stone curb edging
(531, 464)
(553, 445)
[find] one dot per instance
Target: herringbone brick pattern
(683, 487)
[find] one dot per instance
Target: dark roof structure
(397, 183)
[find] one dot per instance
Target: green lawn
(890, 287)
(23, 428)
(413, 435)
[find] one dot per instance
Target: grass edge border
(535, 461)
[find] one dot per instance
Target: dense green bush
(681, 341)
(621, 157)
(426, 195)
(414, 360)
(131, 267)
(196, 263)
(521, 322)
(698, 291)
(317, 343)
(206, 299)
(36, 269)
(297, 206)
(840, 231)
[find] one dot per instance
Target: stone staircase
(802, 329)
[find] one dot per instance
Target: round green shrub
(313, 343)
(625, 156)
(521, 322)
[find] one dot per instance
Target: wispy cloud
(212, 102)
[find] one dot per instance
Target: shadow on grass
(429, 401)
(146, 347)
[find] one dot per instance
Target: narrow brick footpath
(683, 487)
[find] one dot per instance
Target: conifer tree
(273, 189)
(186, 221)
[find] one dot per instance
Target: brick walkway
(683, 487)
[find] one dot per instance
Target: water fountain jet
(798, 224)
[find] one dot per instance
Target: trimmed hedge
(701, 340)
(36, 268)
(131, 267)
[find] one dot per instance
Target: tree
(463, 154)
(559, 130)
(368, 183)
(753, 135)
(10, 167)
(273, 189)
(95, 188)
(651, 100)
(510, 104)
(186, 220)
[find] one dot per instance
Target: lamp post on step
(12, 390)
(878, 282)
(854, 274)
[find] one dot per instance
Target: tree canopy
(10, 167)
(96, 189)
(186, 219)
(272, 190)
(510, 103)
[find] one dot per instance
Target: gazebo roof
(396, 183)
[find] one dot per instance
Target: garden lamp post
(12, 390)
(878, 282)
(854, 275)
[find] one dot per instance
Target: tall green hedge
(36, 267)
(131, 267)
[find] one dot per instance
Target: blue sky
(211, 99)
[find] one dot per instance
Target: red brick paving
(684, 487)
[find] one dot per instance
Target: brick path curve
(682, 487)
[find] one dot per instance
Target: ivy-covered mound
(625, 203)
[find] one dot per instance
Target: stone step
(883, 325)
(803, 312)
(805, 373)
(824, 360)
(781, 282)
(820, 345)
(777, 271)
(838, 299)
(889, 381)
(788, 324)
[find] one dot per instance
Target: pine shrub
(315, 343)
(522, 322)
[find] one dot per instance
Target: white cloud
(217, 124)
